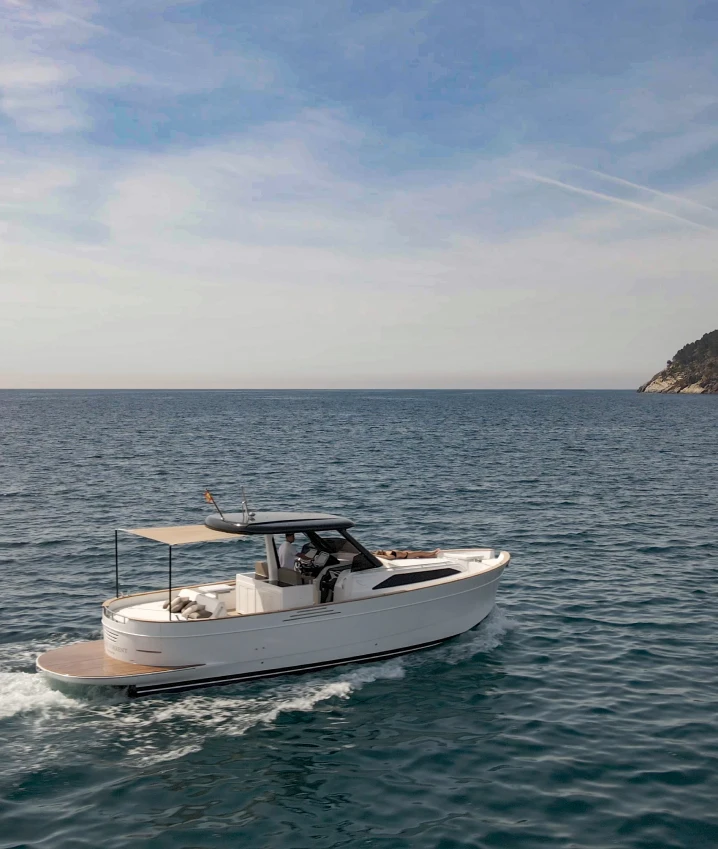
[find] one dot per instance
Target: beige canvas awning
(182, 534)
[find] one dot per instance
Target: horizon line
(315, 389)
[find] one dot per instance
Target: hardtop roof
(276, 522)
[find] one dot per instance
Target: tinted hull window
(415, 578)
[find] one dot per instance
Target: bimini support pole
(169, 591)
(117, 569)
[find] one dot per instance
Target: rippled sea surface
(581, 713)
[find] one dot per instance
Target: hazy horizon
(305, 195)
(309, 389)
(355, 387)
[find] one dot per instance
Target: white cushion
(216, 588)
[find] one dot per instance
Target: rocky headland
(693, 370)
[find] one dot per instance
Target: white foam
(486, 637)
(235, 716)
(385, 670)
(19, 656)
(348, 683)
(150, 755)
(22, 692)
(14, 656)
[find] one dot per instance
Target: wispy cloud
(41, 76)
(652, 210)
(35, 96)
(621, 182)
(57, 62)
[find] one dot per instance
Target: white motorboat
(340, 603)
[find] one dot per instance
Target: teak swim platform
(90, 659)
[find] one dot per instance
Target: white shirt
(287, 553)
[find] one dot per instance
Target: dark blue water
(581, 714)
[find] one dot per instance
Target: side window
(405, 578)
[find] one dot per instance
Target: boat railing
(115, 617)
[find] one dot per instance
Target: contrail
(623, 182)
(590, 193)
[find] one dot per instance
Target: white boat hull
(220, 651)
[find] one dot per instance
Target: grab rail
(115, 617)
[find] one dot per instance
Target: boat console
(261, 596)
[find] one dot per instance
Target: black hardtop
(276, 523)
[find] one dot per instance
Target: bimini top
(180, 534)
(276, 523)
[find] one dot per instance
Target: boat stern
(88, 664)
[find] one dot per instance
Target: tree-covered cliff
(694, 369)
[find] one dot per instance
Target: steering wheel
(316, 561)
(305, 564)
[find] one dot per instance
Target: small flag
(209, 498)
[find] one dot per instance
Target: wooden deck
(88, 660)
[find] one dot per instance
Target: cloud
(34, 96)
(301, 274)
(665, 96)
(24, 184)
(57, 59)
(663, 155)
(39, 75)
(613, 199)
(683, 201)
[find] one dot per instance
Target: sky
(506, 194)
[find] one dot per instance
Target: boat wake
(23, 692)
(165, 728)
(147, 730)
(216, 714)
(488, 636)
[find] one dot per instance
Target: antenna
(247, 514)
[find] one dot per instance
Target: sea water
(581, 713)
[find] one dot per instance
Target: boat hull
(149, 688)
(222, 651)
